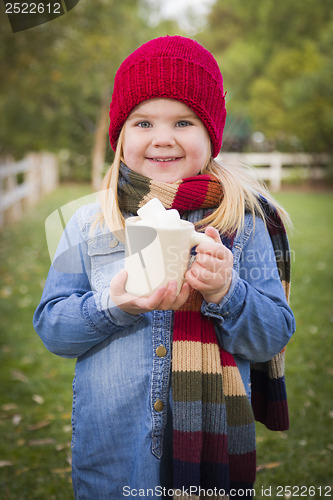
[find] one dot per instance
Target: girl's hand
(211, 272)
(164, 298)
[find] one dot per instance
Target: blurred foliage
(55, 76)
(276, 59)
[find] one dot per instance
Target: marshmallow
(154, 214)
(150, 209)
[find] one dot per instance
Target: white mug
(156, 255)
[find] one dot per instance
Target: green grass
(35, 391)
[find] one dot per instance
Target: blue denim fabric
(119, 440)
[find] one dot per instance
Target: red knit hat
(172, 67)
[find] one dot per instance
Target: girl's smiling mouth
(173, 158)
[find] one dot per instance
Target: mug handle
(197, 238)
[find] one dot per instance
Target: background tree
(276, 58)
(57, 83)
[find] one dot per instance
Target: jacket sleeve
(254, 320)
(72, 318)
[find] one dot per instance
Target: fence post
(276, 166)
(14, 212)
(32, 179)
(40, 176)
(49, 172)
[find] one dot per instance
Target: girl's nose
(163, 138)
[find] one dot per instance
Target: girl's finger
(216, 249)
(209, 262)
(213, 233)
(118, 282)
(181, 297)
(205, 271)
(150, 303)
(197, 282)
(169, 296)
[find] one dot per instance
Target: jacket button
(161, 351)
(113, 243)
(158, 405)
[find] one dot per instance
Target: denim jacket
(120, 443)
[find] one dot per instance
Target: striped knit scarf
(213, 422)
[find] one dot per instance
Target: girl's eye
(183, 123)
(144, 124)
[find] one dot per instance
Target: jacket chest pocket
(106, 259)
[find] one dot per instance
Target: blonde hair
(241, 189)
(110, 214)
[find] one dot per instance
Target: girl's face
(165, 140)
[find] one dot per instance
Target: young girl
(162, 388)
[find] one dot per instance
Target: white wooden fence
(271, 166)
(24, 182)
